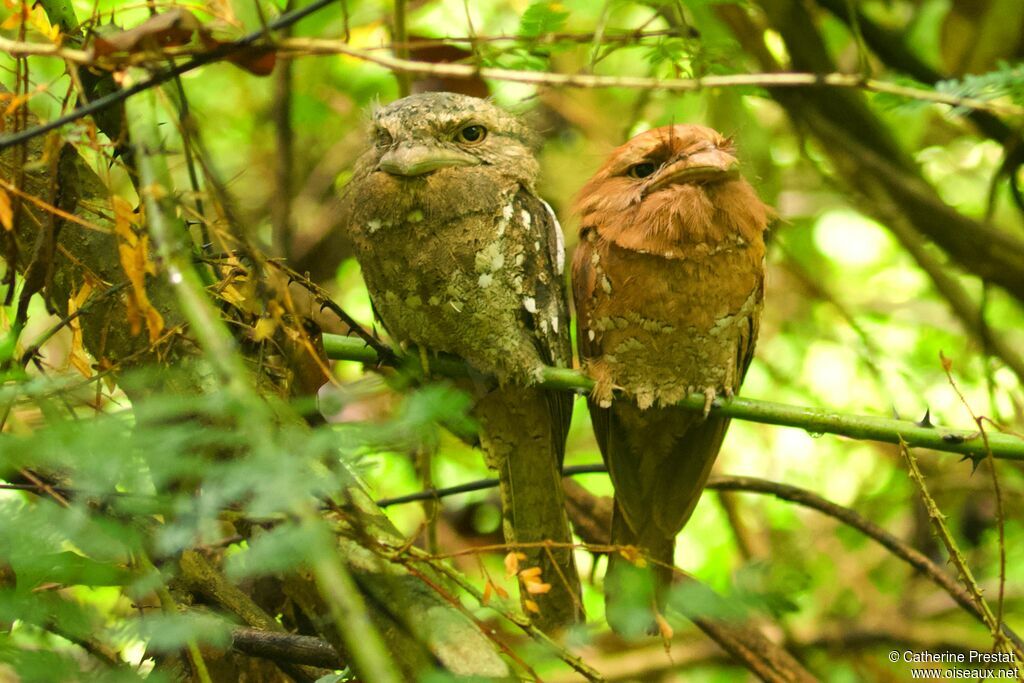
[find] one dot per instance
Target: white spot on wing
(591, 335)
(527, 218)
(373, 226)
(559, 239)
(485, 280)
(530, 304)
(554, 324)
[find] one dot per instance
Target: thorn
(926, 421)
(975, 461)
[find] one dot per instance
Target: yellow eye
(471, 135)
(641, 170)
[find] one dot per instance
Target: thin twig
(956, 557)
(511, 614)
(118, 96)
(321, 296)
(93, 299)
(767, 80)
(947, 366)
(792, 494)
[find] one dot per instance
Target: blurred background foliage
(852, 323)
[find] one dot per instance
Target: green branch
(813, 420)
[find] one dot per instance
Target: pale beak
(410, 160)
(711, 165)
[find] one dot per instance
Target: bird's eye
(641, 170)
(471, 134)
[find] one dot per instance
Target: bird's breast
(668, 325)
(452, 276)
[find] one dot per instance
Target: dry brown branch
(766, 80)
(314, 46)
(853, 519)
(287, 647)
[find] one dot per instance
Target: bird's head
(446, 133)
(677, 183)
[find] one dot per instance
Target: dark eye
(382, 138)
(471, 134)
(641, 170)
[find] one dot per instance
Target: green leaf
(68, 568)
(541, 18)
(1006, 81)
(171, 632)
(278, 550)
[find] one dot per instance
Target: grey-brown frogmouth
(461, 256)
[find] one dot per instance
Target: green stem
(351, 618)
(174, 250)
(813, 420)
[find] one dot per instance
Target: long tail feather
(522, 431)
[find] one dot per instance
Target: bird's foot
(604, 387)
(710, 393)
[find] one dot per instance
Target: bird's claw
(709, 398)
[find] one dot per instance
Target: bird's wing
(584, 280)
(547, 316)
(748, 337)
(547, 312)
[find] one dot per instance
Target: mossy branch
(814, 420)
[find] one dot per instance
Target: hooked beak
(706, 166)
(409, 160)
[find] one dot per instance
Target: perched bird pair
(461, 256)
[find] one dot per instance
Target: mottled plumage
(461, 256)
(668, 280)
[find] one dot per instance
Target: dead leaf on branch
(177, 28)
(133, 252)
(633, 555)
(34, 16)
(512, 563)
(78, 357)
(170, 29)
(6, 210)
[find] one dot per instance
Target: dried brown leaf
(168, 29)
(6, 210)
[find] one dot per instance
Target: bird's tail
(638, 578)
(522, 432)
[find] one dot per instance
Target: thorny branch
(957, 559)
(813, 420)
